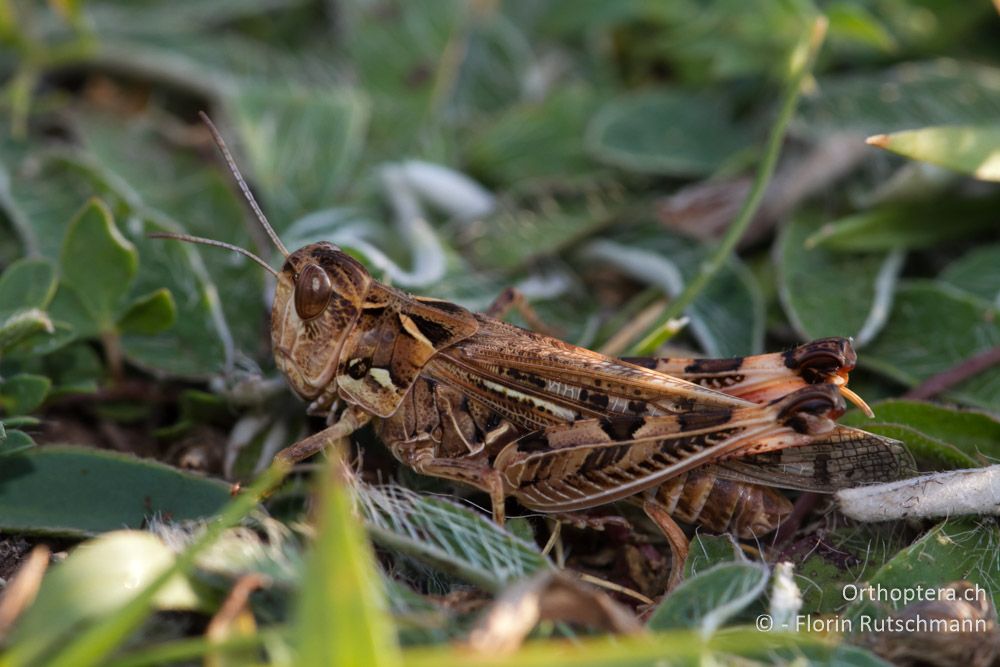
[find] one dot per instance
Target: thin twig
(449, 66)
(235, 604)
(802, 61)
(974, 365)
(617, 588)
(646, 318)
(556, 531)
(22, 589)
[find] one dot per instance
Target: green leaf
(49, 340)
(51, 490)
(451, 538)
(208, 61)
(727, 318)
(302, 144)
(181, 16)
(410, 608)
(27, 283)
(67, 309)
(150, 314)
(91, 644)
(97, 264)
(917, 224)
(515, 236)
(395, 58)
(24, 326)
(976, 272)
(976, 435)
(701, 43)
(43, 196)
(820, 578)
(855, 551)
(14, 441)
(969, 430)
(534, 140)
(96, 580)
(199, 343)
(342, 611)
(930, 453)
(830, 294)
(74, 368)
(21, 420)
(707, 551)
(175, 190)
(22, 393)
(933, 328)
(973, 150)
(669, 131)
(851, 22)
(707, 600)
(202, 407)
(952, 550)
(902, 97)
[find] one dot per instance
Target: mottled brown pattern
(559, 427)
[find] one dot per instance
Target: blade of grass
(93, 644)
(193, 648)
(802, 61)
(343, 615)
(683, 647)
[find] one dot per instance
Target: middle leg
(474, 473)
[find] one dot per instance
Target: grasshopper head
(317, 300)
(316, 303)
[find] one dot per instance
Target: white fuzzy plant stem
(940, 494)
(786, 598)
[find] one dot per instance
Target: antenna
(220, 142)
(217, 244)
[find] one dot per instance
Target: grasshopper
(514, 413)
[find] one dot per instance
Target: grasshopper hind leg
(513, 299)
(701, 498)
(678, 541)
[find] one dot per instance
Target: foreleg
(350, 421)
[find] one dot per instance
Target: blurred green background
(590, 153)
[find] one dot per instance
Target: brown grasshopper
(466, 397)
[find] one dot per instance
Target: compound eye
(312, 292)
